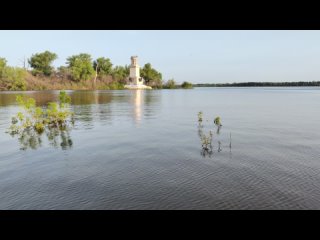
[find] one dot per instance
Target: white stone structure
(134, 76)
(135, 81)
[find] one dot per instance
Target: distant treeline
(260, 84)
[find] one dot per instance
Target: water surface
(141, 150)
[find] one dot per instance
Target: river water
(141, 149)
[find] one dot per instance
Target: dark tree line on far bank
(260, 84)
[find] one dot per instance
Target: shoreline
(130, 89)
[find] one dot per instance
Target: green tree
(3, 64)
(103, 66)
(150, 74)
(186, 85)
(171, 84)
(120, 73)
(13, 78)
(41, 63)
(81, 67)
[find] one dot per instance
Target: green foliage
(3, 64)
(171, 84)
(217, 121)
(41, 63)
(200, 116)
(81, 67)
(116, 86)
(103, 66)
(120, 73)
(13, 78)
(64, 98)
(33, 121)
(186, 85)
(150, 74)
(206, 140)
(37, 119)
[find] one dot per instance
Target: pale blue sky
(196, 56)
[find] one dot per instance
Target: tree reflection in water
(58, 138)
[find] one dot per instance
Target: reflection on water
(108, 106)
(157, 165)
(90, 108)
(137, 105)
(44, 97)
(30, 139)
(59, 138)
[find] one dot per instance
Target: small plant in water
(217, 121)
(200, 117)
(207, 140)
(30, 123)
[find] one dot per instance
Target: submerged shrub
(200, 116)
(36, 120)
(217, 121)
(207, 139)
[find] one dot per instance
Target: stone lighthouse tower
(134, 76)
(135, 81)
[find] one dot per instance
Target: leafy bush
(13, 78)
(120, 73)
(186, 85)
(217, 121)
(37, 119)
(200, 116)
(206, 140)
(151, 76)
(171, 84)
(3, 64)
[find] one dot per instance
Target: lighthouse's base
(134, 87)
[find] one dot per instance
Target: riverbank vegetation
(81, 72)
(171, 84)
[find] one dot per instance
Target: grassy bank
(29, 82)
(21, 80)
